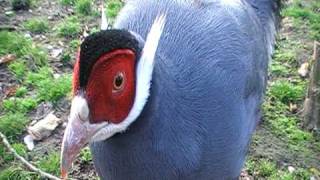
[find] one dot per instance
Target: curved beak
(77, 135)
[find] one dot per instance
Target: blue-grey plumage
(207, 87)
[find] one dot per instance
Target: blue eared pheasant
(173, 90)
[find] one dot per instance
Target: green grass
(113, 8)
(268, 169)
(306, 12)
(85, 155)
(286, 92)
(18, 68)
(284, 56)
(37, 84)
(17, 173)
(286, 126)
(50, 163)
(13, 124)
(49, 88)
(281, 121)
(279, 69)
(54, 89)
(84, 7)
(20, 149)
(262, 168)
(65, 57)
(13, 43)
(67, 2)
(287, 88)
(69, 28)
(36, 75)
(37, 25)
(23, 105)
(6, 156)
(21, 91)
(67, 53)
(75, 44)
(23, 48)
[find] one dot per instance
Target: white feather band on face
(143, 80)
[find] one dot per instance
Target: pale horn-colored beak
(78, 134)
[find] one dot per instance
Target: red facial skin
(106, 101)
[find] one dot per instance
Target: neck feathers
(268, 12)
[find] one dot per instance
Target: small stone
(56, 76)
(312, 178)
(50, 18)
(291, 169)
(9, 13)
(30, 10)
(49, 47)
(28, 140)
(293, 107)
(56, 52)
(61, 43)
(56, 14)
(37, 36)
(70, 10)
(27, 35)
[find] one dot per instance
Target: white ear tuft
(153, 38)
(145, 66)
(104, 22)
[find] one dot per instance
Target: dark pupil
(118, 81)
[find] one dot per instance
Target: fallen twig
(24, 161)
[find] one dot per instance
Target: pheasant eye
(118, 81)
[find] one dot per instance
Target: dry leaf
(11, 91)
(293, 107)
(291, 169)
(44, 127)
(7, 58)
(28, 140)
